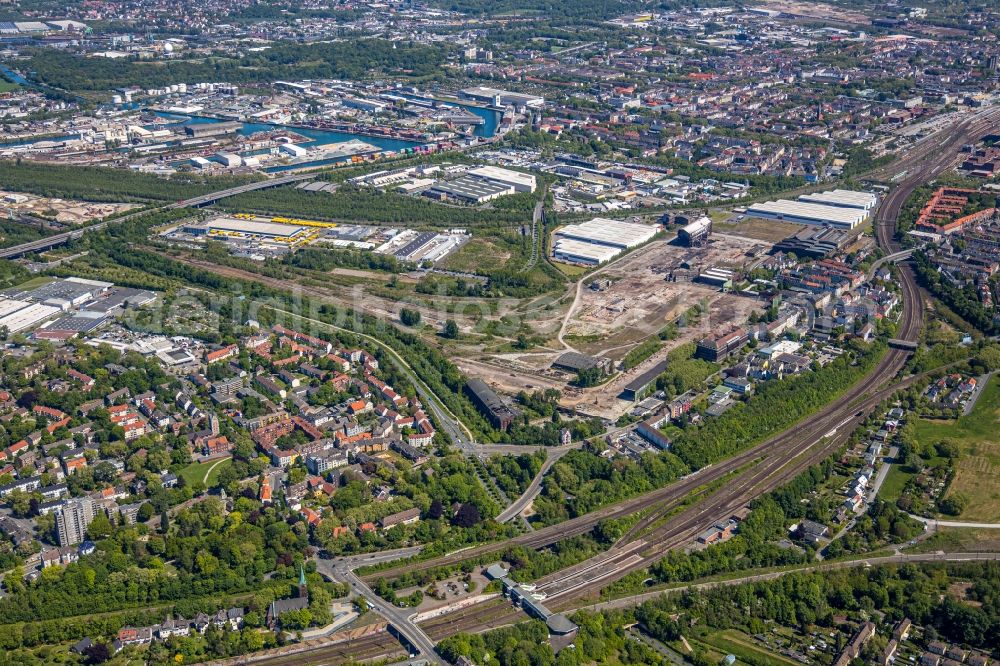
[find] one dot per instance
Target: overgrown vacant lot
(977, 471)
(479, 255)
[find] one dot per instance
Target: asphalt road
(535, 487)
(399, 618)
(934, 522)
(59, 239)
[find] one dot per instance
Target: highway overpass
(196, 202)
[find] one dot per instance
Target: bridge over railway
(902, 255)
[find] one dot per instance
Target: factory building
(579, 252)
(366, 105)
(613, 233)
(521, 182)
(70, 326)
(696, 233)
(16, 316)
(227, 226)
(800, 212)
(814, 242)
(497, 97)
(643, 385)
(499, 413)
(228, 160)
(842, 199)
(66, 293)
(575, 362)
(293, 150)
(599, 240)
(28, 309)
(717, 277)
(201, 130)
(469, 190)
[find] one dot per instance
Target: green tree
(409, 317)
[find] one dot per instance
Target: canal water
(317, 137)
(491, 117)
(12, 75)
(321, 137)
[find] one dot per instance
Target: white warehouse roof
(27, 317)
(582, 252)
(251, 227)
(801, 212)
(522, 182)
(613, 233)
(9, 306)
(844, 198)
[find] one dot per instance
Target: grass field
(960, 540)
(570, 270)
(476, 256)
(977, 471)
(758, 228)
(206, 472)
(35, 282)
(731, 641)
(894, 483)
(7, 86)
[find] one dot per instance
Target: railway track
(778, 460)
(581, 581)
(382, 645)
(791, 441)
(794, 445)
(784, 457)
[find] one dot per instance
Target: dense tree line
(582, 481)
(15, 232)
(601, 640)
(883, 524)
(368, 205)
(639, 354)
(509, 281)
(129, 573)
(409, 317)
(210, 554)
(776, 405)
(318, 259)
(107, 184)
(752, 547)
(550, 432)
(12, 274)
(802, 599)
(860, 160)
(434, 488)
(514, 473)
(350, 59)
